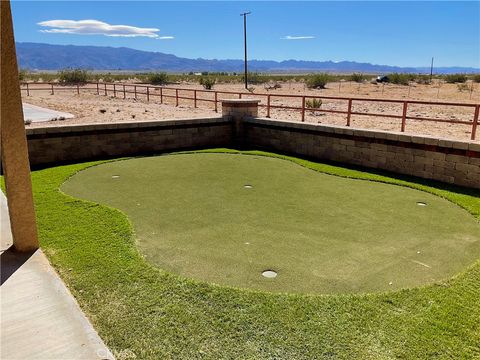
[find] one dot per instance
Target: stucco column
(14, 148)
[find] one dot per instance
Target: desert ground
(88, 107)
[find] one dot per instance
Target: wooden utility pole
(245, 45)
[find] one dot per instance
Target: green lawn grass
(193, 216)
(152, 314)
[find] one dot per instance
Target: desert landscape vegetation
(89, 107)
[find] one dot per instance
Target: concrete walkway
(40, 319)
(38, 114)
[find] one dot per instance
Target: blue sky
(380, 32)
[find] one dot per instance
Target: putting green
(193, 216)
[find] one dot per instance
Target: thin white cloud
(95, 27)
(290, 37)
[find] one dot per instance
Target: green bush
(22, 74)
(359, 78)
(455, 78)
(476, 78)
(207, 82)
(159, 78)
(73, 76)
(423, 79)
(318, 81)
(401, 79)
(313, 103)
(108, 78)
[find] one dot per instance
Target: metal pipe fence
(212, 96)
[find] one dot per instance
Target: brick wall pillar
(238, 110)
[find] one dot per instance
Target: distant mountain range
(36, 56)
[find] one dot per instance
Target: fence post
(135, 91)
(475, 122)
(124, 95)
(28, 91)
(303, 108)
(349, 113)
(148, 93)
(105, 86)
(176, 97)
(195, 99)
(98, 89)
(268, 106)
(216, 105)
(404, 115)
(239, 95)
(161, 95)
(78, 89)
(114, 91)
(52, 89)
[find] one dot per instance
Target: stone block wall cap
(240, 101)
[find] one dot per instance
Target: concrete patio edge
(40, 318)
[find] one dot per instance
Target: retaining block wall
(427, 157)
(64, 144)
(448, 161)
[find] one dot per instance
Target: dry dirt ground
(88, 107)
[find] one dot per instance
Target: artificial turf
(193, 216)
(144, 312)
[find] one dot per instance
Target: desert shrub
(22, 74)
(207, 82)
(107, 78)
(39, 76)
(422, 79)
(255, 78)
(110, 78)
(313, 103)
(34, 76)
(158, 78)
(401, 79)
(73, 76)
(271, 85)
(455, 78)
(476, 78)
(462, 87)
(318, 81)
(357, 77)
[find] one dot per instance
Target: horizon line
(277, 61)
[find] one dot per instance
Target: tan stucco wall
(15, 161)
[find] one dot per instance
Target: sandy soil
(88, 107)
